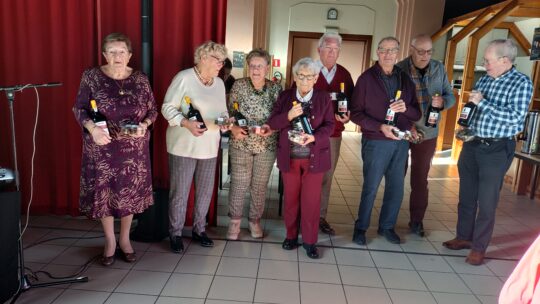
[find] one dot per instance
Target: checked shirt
(506, 101)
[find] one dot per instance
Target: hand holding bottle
(344, 118)
(295, 111)
(194, 127)
(475, 97)
(99, 136)
(437, 101)
(398, 106)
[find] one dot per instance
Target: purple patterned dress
(115, 178)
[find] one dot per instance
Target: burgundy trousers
(421, 156)
(302, 192)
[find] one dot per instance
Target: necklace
(201, 79)
(120, 86)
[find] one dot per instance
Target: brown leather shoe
(107, 261)
(128, 257)
(475, 258)
(457, 244)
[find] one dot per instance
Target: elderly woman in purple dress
(115, 174)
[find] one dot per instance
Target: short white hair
(389, 38)
(504, 48)
(210, 48)
(330, 36)
(308, 64)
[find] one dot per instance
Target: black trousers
(482, 166)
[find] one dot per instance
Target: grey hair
(330, 36)
(210, 48)
(389, 38)
(504, 48)
(306, 63)
(419, 38)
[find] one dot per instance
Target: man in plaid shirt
(502, 98)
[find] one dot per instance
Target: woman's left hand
(266, 131)
(141, 130)
(224, 128)
(308, 139)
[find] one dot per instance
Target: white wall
(239, 29)
(359, 17)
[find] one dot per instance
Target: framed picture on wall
(238, 59)
(535, 45)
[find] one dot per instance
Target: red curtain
(56, 40)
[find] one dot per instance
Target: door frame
(346, 37)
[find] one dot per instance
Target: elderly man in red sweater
(383, 154)
(331, 76)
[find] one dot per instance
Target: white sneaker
(256, 230)
(234, 229)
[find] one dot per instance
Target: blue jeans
(382, 158)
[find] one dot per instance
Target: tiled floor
(418, 271)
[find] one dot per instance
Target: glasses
(120, 53)
(256, 66)
(305, 77)
(388, 51)
(219, 61)
(490, 62)
(423, 52)
(331, 49)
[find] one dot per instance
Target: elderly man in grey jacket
(432, 89)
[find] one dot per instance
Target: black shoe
(325, 227)
(312, 251)
(359, 237)
(177, 246)
(390, 235)
(417, 228)
(289, 244)
(202, 238)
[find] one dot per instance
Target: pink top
(523, 285)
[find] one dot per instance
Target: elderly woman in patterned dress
(115, 173)
(252, 153)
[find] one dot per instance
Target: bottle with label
(239, 118)
(391, 116)
(342, 104)
(467, 114)
(98, 118)
(302, 123)
(194, 114)
(433, 114)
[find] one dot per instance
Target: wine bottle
(194, 114)
(302, 123)
(342, 103)
(467, 114)
(391, 116)
(239, 118)
(433, 114)
(97, 117)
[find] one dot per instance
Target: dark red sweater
(370, 102)
(342, 75)
(322, 120)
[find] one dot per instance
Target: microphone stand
(25, 284)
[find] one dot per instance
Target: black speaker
(153, 223)
(10, 210)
